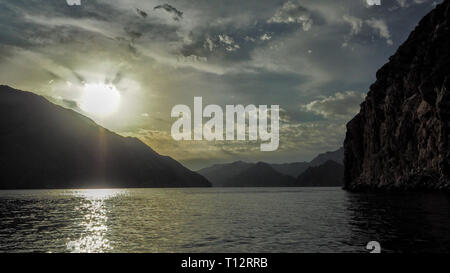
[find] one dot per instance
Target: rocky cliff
(400, 138)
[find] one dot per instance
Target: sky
(315, 59)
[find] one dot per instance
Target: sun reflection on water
(93, 207)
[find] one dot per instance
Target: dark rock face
(329, 174)
(46, 146)
(400, 138)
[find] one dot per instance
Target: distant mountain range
(336, 156)
(329, 174)
(222, 173)
(291, 169)
(325, 170)
(47, 146)
(260, 175)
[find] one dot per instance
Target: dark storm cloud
(141, 13)
(27, 24)
(117, 78)
(49, 8)
(133, 34)
(177, 15)
(133, 50)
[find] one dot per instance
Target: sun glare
(100, 99)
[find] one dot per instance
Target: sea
(222, 220)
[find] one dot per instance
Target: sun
(100, 99)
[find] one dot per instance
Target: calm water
(221, 220)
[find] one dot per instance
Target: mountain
(337, 156)
(260, 175)
(220, 174)
(48, 146)
(329, 174)
(400, 140)
(291, 169)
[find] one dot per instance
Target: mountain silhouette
(224, 175)
(260, 175)
(329, 174)
(220, 174)
(336, 156)
(292, 169)
(48, 146)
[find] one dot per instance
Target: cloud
(342, 105)
(192, 59)
(297, 139)
(228, 42)
(73, 104)
(177, 15)
(141, 13)
(249, 39)
(292, 13)
(133, 33)
(355, 23)
(209, 44)
(265, 37)
(226, 39)
(221, 41)
(405, 4)
(310, 137)
(381, 29)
